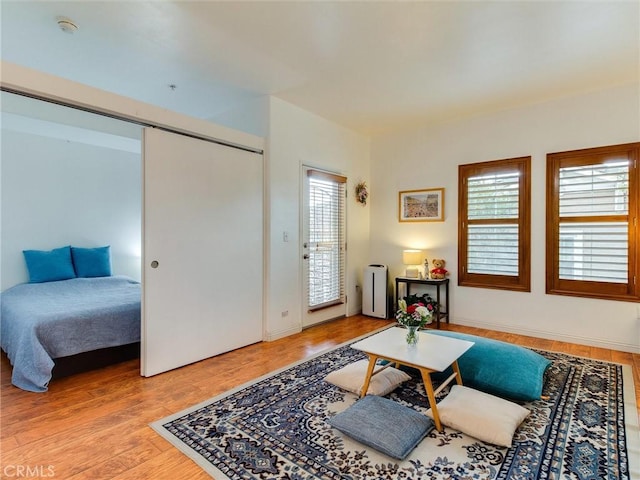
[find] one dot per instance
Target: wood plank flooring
(95, 425)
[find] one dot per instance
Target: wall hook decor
(362, 193)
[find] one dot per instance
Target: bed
(42, 322)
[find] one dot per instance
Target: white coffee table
(432, 353)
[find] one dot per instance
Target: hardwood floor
(95, 425)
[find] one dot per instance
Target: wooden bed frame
(86, 361)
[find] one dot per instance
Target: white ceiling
(371, 66)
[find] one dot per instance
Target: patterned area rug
(276, 428)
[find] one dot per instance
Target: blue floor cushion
(500, 368)
(383, 424)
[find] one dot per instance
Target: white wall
(39, 84)
(429, 157)
(297, 137)
(58, 192)
(252, 116)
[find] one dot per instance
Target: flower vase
(412, 335)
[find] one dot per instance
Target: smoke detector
(67, 25)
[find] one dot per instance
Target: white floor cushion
(351, 378)
(481, 415)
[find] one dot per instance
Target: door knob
(154, 264)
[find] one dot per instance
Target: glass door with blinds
(324, 246)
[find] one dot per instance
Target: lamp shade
(412, 257)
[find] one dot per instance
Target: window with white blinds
(591, 211)
(594, 251)
(494, 224)
(589, 250)
(326, 239)
(493, 248)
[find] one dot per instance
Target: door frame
(309, 318)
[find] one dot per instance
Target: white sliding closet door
(202, 259)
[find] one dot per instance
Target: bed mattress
(43, 321)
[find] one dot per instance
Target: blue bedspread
(42, 321)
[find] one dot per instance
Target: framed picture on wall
(421, 205)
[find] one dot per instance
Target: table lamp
(412, 258)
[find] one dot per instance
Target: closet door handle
(154, 264)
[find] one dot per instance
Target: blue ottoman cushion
(383, 424)
(500, 368)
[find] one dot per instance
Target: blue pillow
(92, 262)
(49, 265)
(500, 368)
(383, 424)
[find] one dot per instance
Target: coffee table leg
(372, 363)
(456, 369)
(428, 386)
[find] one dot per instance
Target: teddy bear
(438, 271)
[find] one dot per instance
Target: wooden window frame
(522, 281)
(629, 291)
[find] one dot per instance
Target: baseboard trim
(624, 347)
(271, 336)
